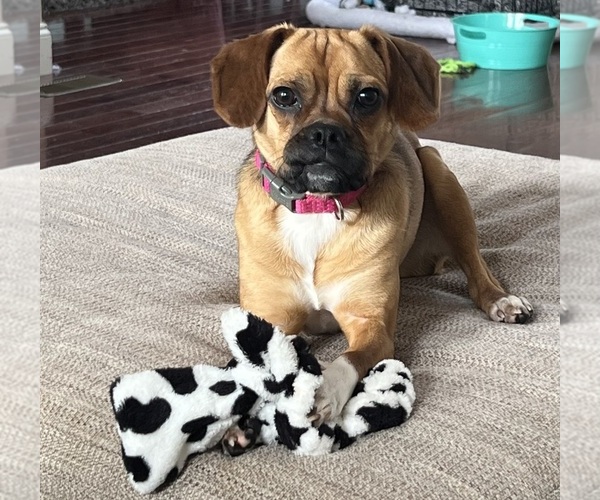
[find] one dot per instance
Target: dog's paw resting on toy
(266, 394)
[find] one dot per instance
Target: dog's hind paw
(511, 309)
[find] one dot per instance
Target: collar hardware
(302, 203)
(279, 190)
(339, 213)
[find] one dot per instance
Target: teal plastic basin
(576, 38)
(514, 92)
(505, 41)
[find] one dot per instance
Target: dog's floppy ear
(413, 79)
(240, 73)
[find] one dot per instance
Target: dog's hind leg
(450, 226)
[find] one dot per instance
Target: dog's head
(325, 104)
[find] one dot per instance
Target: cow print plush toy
(267, 389)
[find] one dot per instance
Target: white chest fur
(305, 235)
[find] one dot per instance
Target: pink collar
(302, 203)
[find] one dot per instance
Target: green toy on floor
(451, 67)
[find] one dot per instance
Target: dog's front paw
(241, 437)
(511, 309)
(339, 380)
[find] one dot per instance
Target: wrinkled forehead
(310, 56)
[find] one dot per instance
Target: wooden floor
(162, 53)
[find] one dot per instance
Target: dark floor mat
(63, 86)
(19, 88)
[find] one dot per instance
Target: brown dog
(333, 114)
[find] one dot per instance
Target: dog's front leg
(369, 328)
(272, 299)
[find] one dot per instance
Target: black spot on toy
(244, 402)
(381, 417)
(232, 364)
(112, 388)
(136, 466)
(399, 387)
(306, 361)
(143, 418)
(224, 387)
(197, 428)
(253, 340)
(379, 368)
(181, 379)
(342, 438)
(289, 435)
(325, 430)
(286, 385)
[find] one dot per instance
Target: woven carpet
(139, 259)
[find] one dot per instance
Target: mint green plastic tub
(505, 41)
(576, 38)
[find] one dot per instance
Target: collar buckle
(279, 190)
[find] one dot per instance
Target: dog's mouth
(322, 177)
(323, 158)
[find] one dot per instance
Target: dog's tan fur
(412, 216)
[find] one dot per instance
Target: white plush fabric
(164, 416)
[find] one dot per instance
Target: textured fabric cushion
(19, 332)
(580, 342)
(139, 260)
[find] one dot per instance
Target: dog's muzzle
(302, 203)
(322, 158)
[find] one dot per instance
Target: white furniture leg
(45, 49)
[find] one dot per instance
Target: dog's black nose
(323, 157)
(324, 135)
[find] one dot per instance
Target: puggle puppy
(339, 201)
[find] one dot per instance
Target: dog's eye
(367, 98)
(284, 97)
